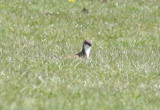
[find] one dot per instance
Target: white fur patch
(87, 50)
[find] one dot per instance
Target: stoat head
(88, 42)
(87, 47)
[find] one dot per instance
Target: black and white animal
(85, 52)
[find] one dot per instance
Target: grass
(123, 72)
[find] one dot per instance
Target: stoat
(85, 50)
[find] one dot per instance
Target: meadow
(123, 72)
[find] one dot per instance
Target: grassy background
(124, 70)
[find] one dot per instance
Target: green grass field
(123, 72)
